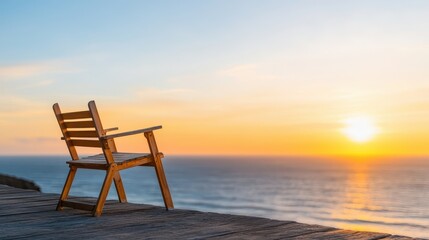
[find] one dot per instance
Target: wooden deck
(28, 214)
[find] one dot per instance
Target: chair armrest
(111, 129)
(123, 134)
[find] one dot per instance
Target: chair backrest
(80, 129)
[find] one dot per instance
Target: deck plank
(344, 234)
(27, 214)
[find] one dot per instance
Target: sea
(388, 195)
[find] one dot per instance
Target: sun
(359, 129)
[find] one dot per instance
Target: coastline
(17, 182)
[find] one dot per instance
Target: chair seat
(122, 160)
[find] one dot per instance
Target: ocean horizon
(388, 195)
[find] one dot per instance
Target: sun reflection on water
(358, 210)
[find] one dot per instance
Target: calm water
(386, 196)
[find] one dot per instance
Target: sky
(222, 77)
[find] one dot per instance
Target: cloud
(18, 104)
(21, 71)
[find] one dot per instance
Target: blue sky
(217, 64)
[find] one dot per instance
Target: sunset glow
(359, 129)
(251, 78)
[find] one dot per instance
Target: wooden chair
(84, 129)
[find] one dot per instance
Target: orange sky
(198, 131)
(270, 79)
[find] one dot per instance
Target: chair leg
(168, 201)
(159, 169)
(119, 187)
(66, 188)
(104, 191)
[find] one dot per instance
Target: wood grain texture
(66, 188)
(77, 205)
(83, 134)
(34, 217)
(110, 173)
(85, 143)
(123, 161)
(76, 115)
(60, 120)
(129, 133)
(119, 187)
(79, 124)
(159, 169)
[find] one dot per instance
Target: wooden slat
(138, 162)
(78, 205)
(76, 115)
(119, 156)
(90, 165)
(79, 124)
(85, 143)
(82, 134)
(123, 160)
